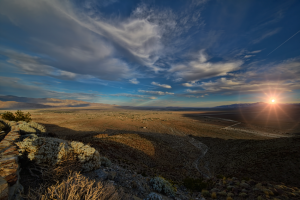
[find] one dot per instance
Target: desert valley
(258, 142)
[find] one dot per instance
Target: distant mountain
(13, 105)
(253, 105)
(14, 102)
(242, 105)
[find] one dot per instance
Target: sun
(272, 101)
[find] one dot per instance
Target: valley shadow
(171, 156)
(276, 160)
(284, 121)
(147, 153)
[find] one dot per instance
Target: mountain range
(11, 102)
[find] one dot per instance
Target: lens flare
(272, 100)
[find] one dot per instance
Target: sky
(196, 53)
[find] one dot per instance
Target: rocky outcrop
(10, 188)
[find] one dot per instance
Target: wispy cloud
(15, 86)
(248, 56)
(156, 92)
(281, 77)
(257, 51)
(29, 64)
(95, 43)
(201, 68)
(133, 95)
(266, 35)
(134, 81)
(161, 85)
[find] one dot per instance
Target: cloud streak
(133, 95)
(134, 81)
(13, 86)
(161, 85)
(156, 92)
(78, 40)
(284, 42)
(282, 77)
(266, 35)
(202, 68)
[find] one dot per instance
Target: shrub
(40, 128)
(26, 129)
(8, 116)
(31, 128)
(194, 184)
(153, 196)
(205, 193)
(214, 195)
(51, 151)
(76, 187)
(105, 162)
(18, 116)
(88, 156)
(159, 184)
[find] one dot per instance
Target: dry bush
(76, 187)
(31, 128)
(50, 151)
(40, 128)
(18, 116)
(61, 170)
(160, 184)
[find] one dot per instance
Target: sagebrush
(76, 187)
(159, 184)
(153, 196)
(50, 151)
(18, 116)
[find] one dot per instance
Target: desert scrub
(153, 196)
(159, 184)
(51, 151)
(31, 128)
(194, 184)
(105, 162)
(8, 116)
(205, 193)
(18, 116)
(88, 156)
(40, 128)
(76, 187)
(214, 195)
(26, 129)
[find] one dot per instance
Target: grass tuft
(75, 187)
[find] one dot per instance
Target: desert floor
(252, 144)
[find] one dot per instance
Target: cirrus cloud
(161, 85)
(79, 43)
(156, 92)
(134, 81)
(201, 68)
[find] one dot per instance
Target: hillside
(10, 102)
(13, 105)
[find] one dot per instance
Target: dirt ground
(158, 142)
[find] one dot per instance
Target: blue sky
(151, 53)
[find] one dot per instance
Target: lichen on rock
(153, 196)
(159, 184)
(31, 128)
(51, 151)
